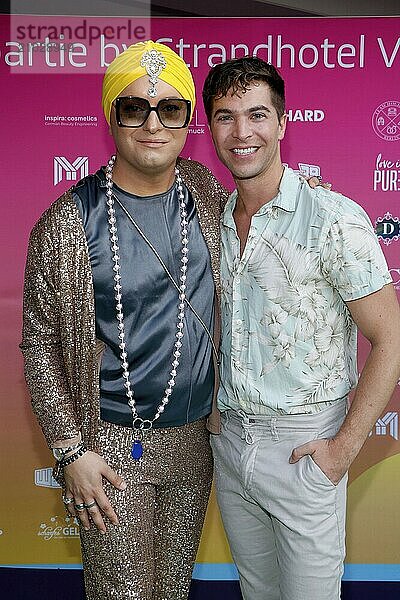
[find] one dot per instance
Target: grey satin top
(150, 304)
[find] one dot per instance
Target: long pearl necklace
(142, 426)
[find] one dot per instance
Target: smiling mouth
(152, 141)
(244, 151)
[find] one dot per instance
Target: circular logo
(386, 121)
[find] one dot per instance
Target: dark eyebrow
(223, 111)
(257, 108)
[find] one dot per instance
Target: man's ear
(282, 126)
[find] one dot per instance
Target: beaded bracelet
(67, 461)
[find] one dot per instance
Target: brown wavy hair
(236, 75)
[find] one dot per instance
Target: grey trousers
(285, 522)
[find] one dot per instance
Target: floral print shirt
(288, 340)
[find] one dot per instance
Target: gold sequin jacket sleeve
(58, 339)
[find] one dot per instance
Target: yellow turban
(126, 68)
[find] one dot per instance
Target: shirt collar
(227, 215)
(288, 190)
(285, 199)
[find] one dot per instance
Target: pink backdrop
(343, 100)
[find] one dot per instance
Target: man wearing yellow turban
(121, 278)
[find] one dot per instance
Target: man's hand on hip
(83, 479)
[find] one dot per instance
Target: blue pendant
(137, 450)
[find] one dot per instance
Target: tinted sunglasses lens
(133, 112)
(173, 112)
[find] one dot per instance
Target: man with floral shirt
(301, 268)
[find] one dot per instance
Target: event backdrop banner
(343, 107)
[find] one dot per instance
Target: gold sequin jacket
(59, 343)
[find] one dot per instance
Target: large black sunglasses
(173, 113)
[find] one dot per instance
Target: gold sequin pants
(150, 554)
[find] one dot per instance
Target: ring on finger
(67, 500)
(90, 504)
(81, 506)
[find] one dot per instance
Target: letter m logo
(62, 165)
(389, 420)
(44, 478)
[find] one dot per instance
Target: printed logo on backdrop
(387, 228)
(306, 169)
(59, 528)
(71, 120)
(386, 174)
(395, 274)
(64, 168)
(386, 121)
(44, 478)
(196, 127)
(306, 115)
(387, 425)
